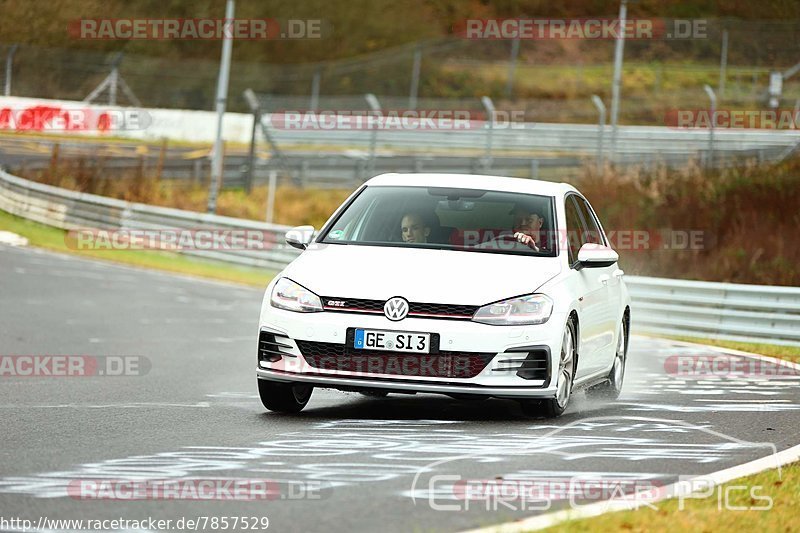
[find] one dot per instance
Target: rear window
(447, 218)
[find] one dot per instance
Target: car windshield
(447, 219)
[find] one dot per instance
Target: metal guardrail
(750, 313)
(723, 311)
(72, 210)
(566, 139)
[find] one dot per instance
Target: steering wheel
(503, 238)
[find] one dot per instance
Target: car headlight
(522, 311)
(286, 294)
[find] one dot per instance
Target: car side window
(575, 228)
(592, 233)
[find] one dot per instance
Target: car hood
(419, 275)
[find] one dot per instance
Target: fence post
(375, 106)
(251, 156)
(412, 99)
(617, 81)
(723, 64)
(9, 64)
(315, 81)
(601, 128)
(489, 106)
(713, 98)
(512, 66)
(273, 179)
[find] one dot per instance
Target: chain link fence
(551, 80)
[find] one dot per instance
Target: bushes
(748, 216)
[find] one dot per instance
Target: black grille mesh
(445, 364)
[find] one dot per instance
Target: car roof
(473, 181)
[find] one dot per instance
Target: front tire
(374, 393)
(553, 407)
(284, 397)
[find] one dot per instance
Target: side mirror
(300, 237)
(596, 255)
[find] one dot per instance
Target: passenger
(414, 229)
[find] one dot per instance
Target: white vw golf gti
(470, 286)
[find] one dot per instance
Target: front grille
(444, 364)
(415, 309)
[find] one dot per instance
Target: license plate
(392, 341)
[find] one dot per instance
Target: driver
(528, 228)
(414, 229)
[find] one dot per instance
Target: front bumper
(505, 347)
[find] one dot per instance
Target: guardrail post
(534, 169)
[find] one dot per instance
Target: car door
(592, 293)
(610, 277)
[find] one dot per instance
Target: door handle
(604, 279)
(618, 273)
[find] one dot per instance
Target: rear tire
(553, 407)
(284, 397)
(611, 389)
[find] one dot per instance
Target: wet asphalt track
(196, 414)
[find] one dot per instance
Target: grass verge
(49, 238)
(711, 513)
(789, 353)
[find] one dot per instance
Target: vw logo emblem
(395, 308)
